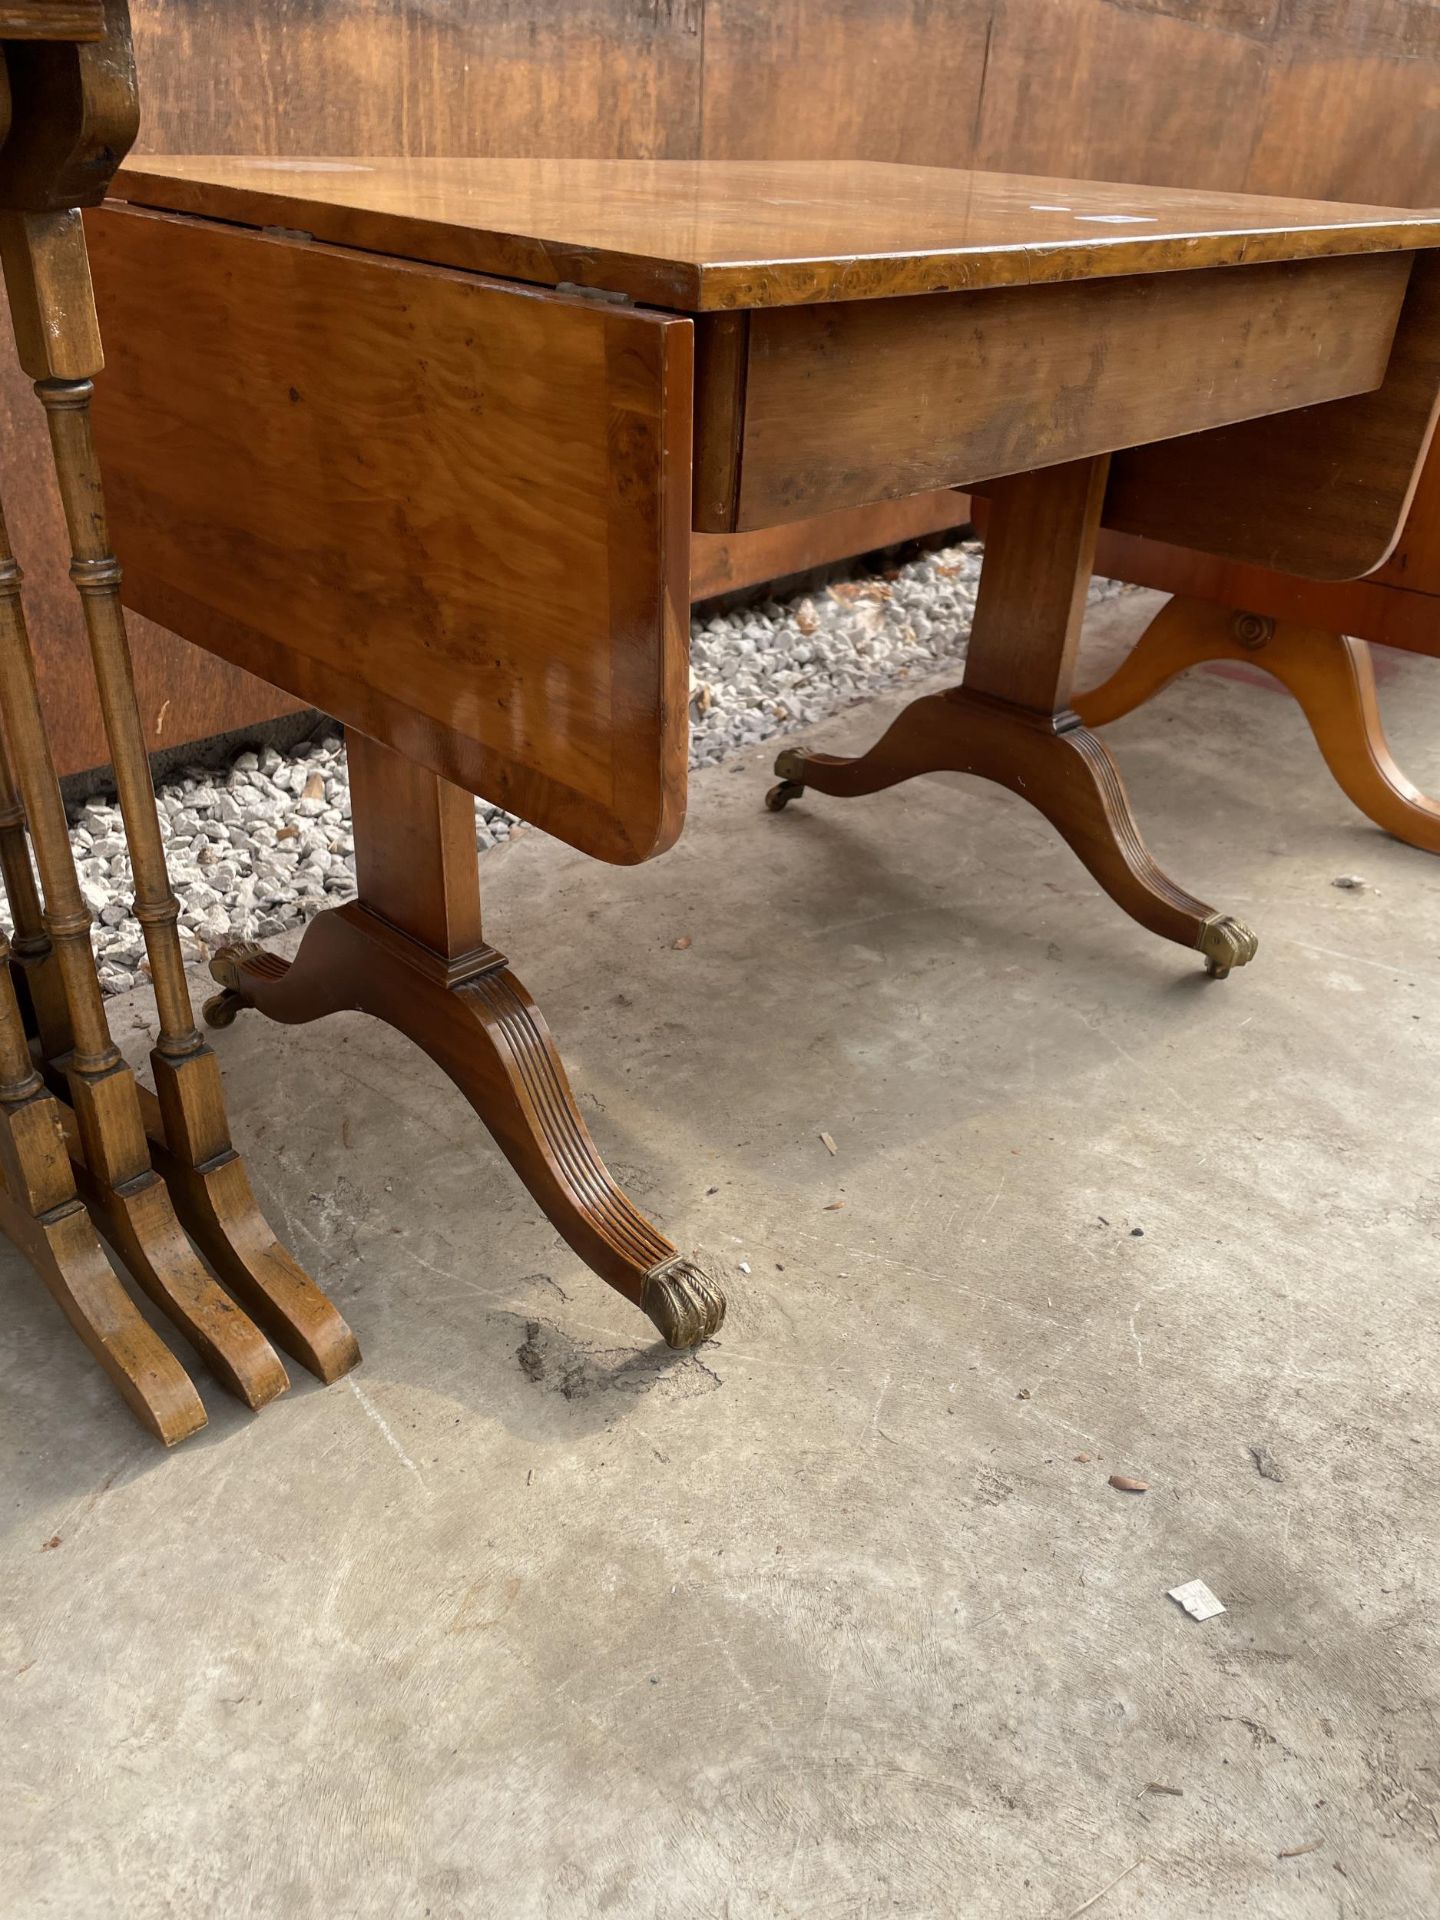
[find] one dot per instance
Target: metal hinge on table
(607, 294)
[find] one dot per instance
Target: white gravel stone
(265, 845)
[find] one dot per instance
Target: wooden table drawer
(802, 410)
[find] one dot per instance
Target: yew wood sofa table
(423, 443)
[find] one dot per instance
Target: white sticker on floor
(1197, 1600)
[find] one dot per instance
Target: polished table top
(694, 235)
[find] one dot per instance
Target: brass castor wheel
(1225, 943)
(222, 1009)
(781, 794)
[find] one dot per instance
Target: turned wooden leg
(37, 982)
(1010, 722)
(103, 1128)
(189, 1138)
(411, 953)
(1331, 675)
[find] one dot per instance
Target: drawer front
(449, 511)
(804, 410)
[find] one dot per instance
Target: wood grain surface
(453, 513)
(76, 112)
(183, 693)
(598, 77)
(698, 236)
(726, 562)
(1028, 612)
(51, 20)
(832, 79)
(1009, 721)
(1322, 492)
(1331, 676)
(1414, 561)
(872, 400)
(1327, 100)
(1334, 99)
(1384, 611)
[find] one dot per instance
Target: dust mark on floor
(560, 1364)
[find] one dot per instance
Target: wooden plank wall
(1336, 98)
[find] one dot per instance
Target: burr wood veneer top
(694, 235)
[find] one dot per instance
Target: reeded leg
(104, 1133)
(1061, 769)
(1331, 675)
(456, 998)
(212, 1195)
(1009, 722)
(44, 1216)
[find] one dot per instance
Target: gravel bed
(263, 845)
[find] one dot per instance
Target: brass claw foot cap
(790, 765)
(225, 965)
(226, 962)
(1225, 943)
(684, 1301)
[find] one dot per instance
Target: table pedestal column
(410, 951)
(1010, 720)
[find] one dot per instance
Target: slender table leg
(37, 982)
(411, 952)
(49, 283)
(41, 1211)
(1010, 720)
(103, 1126)
(1329, 674)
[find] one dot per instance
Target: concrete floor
(839, 1617)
